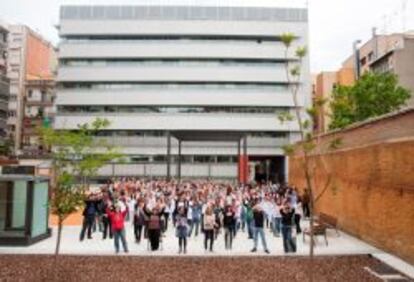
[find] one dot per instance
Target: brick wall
(372, 187)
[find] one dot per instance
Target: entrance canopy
(209, 136)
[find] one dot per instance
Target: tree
(75, 159)
(308, 143)
(373, 95)
(6, 146)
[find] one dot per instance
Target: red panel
(243, 168)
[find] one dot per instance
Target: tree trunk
(58, 239)
(312, 237)
(59, 236)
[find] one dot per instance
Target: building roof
(21, 177)
(184, 12)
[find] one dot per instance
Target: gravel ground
(128, 268)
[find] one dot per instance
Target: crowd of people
(194, 208)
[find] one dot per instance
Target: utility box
(24, 209)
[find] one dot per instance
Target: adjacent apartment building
(30, 57)
(382, 53)
(4, 82)
(198, 71)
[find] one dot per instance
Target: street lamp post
(356, 60)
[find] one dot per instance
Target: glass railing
(172, 86)
(168, 63)
(114, 110)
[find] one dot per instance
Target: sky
(334, 24)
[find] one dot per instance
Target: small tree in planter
(308, 143)
(74, 161)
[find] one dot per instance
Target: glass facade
(85, 110)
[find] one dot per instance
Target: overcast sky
(334, 24)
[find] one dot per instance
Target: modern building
(161, 74)
(30, 57)
(4, 82)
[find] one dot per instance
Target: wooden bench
(318, 230)
(328, 221)
(322, 223)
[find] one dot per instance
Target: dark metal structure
(182, 136)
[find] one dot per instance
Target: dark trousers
(138, 232)
(208, 235)
(228, 237)
(194, 224)
(306, 210)
(119, 235)
(88, 222)
(182, 243)
(107, 228)
(297, 223)
(166, 216)
(289, 244)
(154, 238)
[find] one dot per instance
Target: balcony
(172, 74)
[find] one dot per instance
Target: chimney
(375, 42)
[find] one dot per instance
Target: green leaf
(301, 52)
(306, 124)
(288, 149)
(374, 94)
(287, 39)
(308, 146)
(295, 71)
(312, 112)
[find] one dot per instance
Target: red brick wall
(372, 188)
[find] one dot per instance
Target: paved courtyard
(338, 245)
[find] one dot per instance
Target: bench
(328, 221)
(322, 223)
(318, 230)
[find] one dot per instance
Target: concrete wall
(372, 189)
(404, 67)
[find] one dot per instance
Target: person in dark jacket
(259, 218)
(182, 229)
(89, 214)
(107, 227)
(154, 226)
(288, 213)
(229, 223)
(139, 220)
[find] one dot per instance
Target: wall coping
(370, 121)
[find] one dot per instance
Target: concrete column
(238, 161)
(168, 155)
(179, 161)
(245, 163)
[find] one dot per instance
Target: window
(30, 93)
(363, 61)
(203, 159)
(370, 56)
